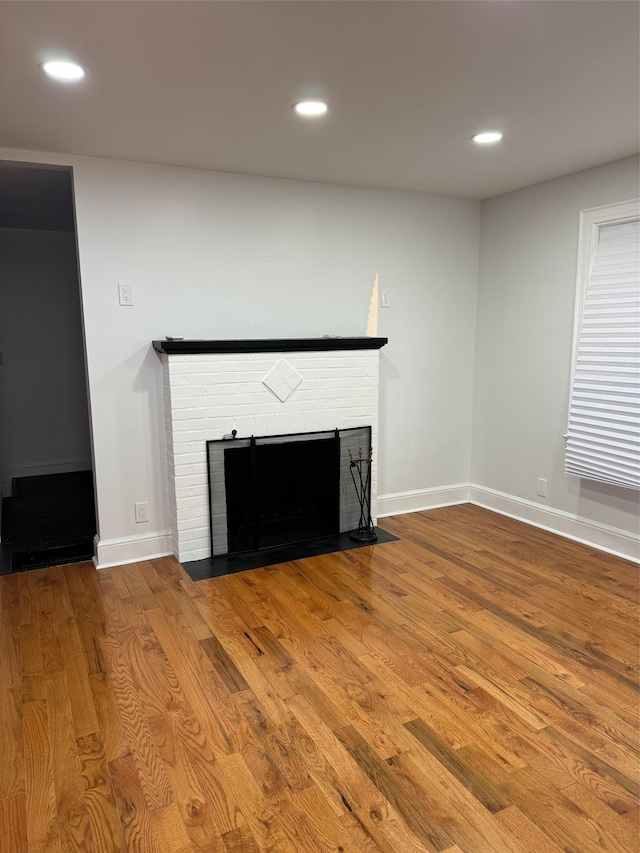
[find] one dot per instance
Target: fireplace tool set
(361, 475)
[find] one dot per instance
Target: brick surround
(208, 395)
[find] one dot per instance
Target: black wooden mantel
(197, 347)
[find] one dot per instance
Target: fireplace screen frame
(350, 441)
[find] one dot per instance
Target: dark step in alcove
(49, 520)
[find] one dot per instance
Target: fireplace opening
(272, 491)
(281, 493)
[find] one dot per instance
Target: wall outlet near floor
(142, 512)
(542, 487)
(125, 294)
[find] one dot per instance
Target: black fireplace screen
(277, 490)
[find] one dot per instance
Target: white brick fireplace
(257, 388)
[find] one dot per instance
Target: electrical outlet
(385, 299)
(125, 293)
(542, 487)
(142, 512)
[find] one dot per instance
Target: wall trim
(603, 537)
(131, 549)
(399, 503)
(66, 466)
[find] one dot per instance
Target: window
(603, 439)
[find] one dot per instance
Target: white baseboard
(613, 540)
(131, 549)
(399, 503)
(65, 466)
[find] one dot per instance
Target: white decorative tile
(282, 380)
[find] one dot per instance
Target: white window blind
(603, 441)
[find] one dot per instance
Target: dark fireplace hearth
(279, 498)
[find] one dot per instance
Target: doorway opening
(47, 509)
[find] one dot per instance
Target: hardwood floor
(471, 687)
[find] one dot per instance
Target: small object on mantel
(230, 435)
(332, 336)
(372, 319)
(173, 338)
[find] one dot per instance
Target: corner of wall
(131, 549)
(602, 537)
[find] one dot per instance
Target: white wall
(529, 242)
(216, 255)
(44, 419)
(213, 255)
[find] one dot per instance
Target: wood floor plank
(559, 816)
(109, 722)
(259, 816)
(12, 759)
(106, 828)
(72, 812)
(209, 778)
(152, 774)
(13, 825)
(187, 657)
(478, 782)
(324, 824)
(240, 840)
(614, 832)
(89, 609)
(196, 814)
(43, 834)
(397, 788)
(170, 830)
(471, 687)
(368, 808)
(530, 838)
(135, 816)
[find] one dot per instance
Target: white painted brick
(192, 480)
(207, 396)
(190, 492)
(191, 524)
(185, 452)
(185, 470)
(214, 426)
(189, 390)
(191, 502)
(187, 414)
(195, 538)
(190, 556)
(184, 367)
(177, 382)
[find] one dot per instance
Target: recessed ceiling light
(68, 72)
(310, 108)
(489, 137)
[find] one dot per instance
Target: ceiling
(210, 85)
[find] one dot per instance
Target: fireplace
(262, 388)
(283, 489)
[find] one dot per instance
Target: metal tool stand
(361, 475)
